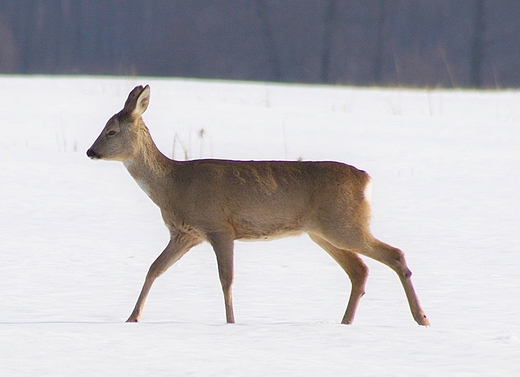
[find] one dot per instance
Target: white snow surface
(77, 236)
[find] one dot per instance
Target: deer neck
(150, 168)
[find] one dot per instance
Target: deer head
(119, 139)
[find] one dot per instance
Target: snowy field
(77, 236)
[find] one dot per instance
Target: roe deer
(221, 201)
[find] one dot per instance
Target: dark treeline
(463, 43)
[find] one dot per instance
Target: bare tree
(477, 45)
(263, 15)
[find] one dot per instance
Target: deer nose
(92, 154)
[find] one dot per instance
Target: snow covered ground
(77, 236)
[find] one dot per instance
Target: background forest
(443, 43)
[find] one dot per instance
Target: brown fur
(221, 201)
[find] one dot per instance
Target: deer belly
(262, 231)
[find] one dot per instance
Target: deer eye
(111, 133)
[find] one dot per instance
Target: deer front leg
(176, 248)
(223, 246)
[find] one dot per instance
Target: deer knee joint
(154, 272)
(401, 266)
(364, 271)
(360, 276)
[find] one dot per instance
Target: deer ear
(142, 102)
(137, 101)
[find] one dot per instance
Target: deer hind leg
(362, 242)
(223, 246)
(356, 270)
(176, 248)
(395, 259)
